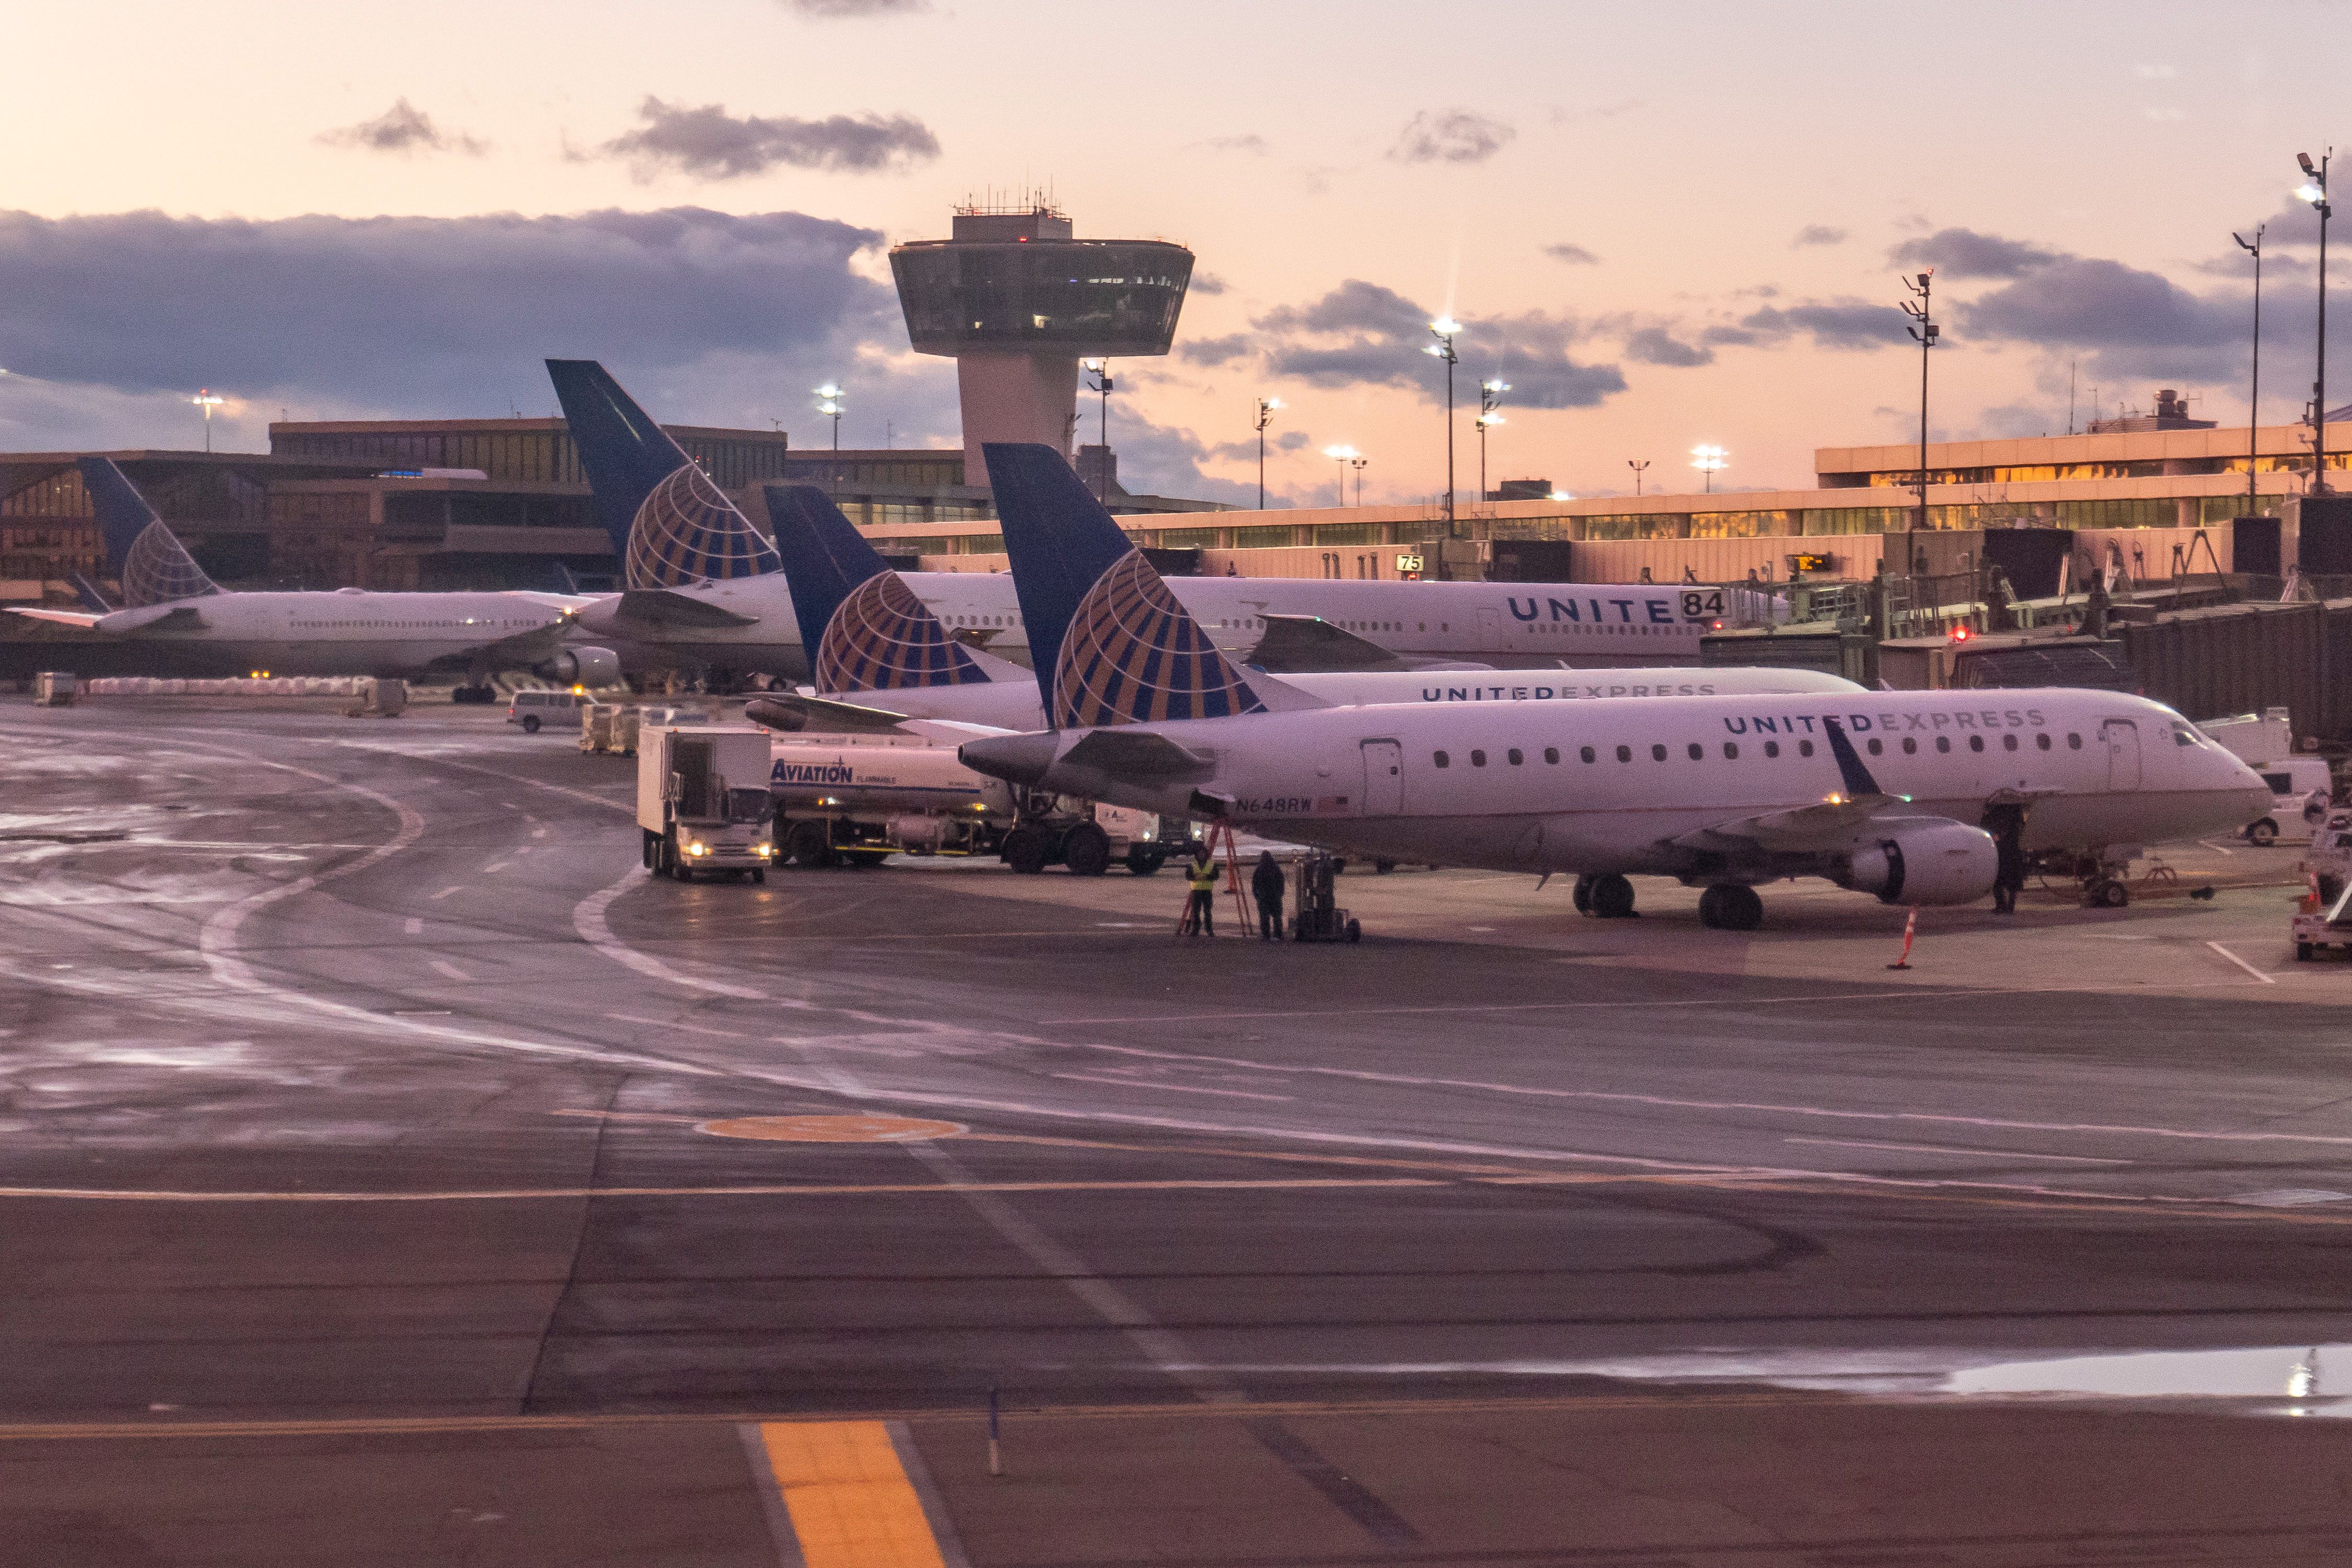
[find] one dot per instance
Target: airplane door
(2122, 737)
(1490, 630)
(1383, 778)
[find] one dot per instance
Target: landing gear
(480, 694)
(1582, 896)
(1730, 907)
(1612, 898)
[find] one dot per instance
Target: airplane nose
(1018, 759)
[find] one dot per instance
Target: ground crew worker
(1265, 884)
(2007, 825)
(1201, 905)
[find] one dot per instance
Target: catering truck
(702, 802)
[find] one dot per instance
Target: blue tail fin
(1110, 643)
(140, 550)
(864, 627)
(87, 592)
(669, 523)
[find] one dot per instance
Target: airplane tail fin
(863, 626)
(87, 592)
(1111, 645)
(669, 524)
(153, 566)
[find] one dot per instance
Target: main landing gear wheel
(1612, 897)
(1582, 896)
(1730, 907)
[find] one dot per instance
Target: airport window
(1624, 753)
(1976, 743)
(2009, 743)
(1910, 746)
(1943, 742)
(2041, 741)
(1771, 748)
(1804, 748)
(1514, 756)
(1731, 751)
(1477, 758)
(1877, 746)
(1658, 753)
(1586, 753)
(1552, 754)
(1697, 751)
(1441, 759)
(2074, 743)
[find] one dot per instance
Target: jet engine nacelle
(1924, 863)
(582, 666)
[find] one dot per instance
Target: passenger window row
(1697, 752)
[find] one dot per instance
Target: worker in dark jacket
(1265, 885)
(2007, 825)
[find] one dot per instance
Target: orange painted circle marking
(831, 1129)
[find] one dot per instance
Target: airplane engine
(1924, 863)
(582, 666)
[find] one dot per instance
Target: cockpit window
(2182, 736)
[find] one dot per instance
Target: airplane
(1878, 792)
(175, 620)
(883, 657)
(700, 582)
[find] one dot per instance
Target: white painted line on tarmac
(1171, 1088)
(413, 926)
(456, 888)
(448, 971)
(682, 1028)
(588, 920)
(1952, 1149)
(492, 870)
(2241, 964)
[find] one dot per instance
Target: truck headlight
(764, 850)
(697, 847)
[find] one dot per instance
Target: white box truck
(703, 805)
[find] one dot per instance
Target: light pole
(1342, 456)
(1490, 397)
(1266, 410)
(1925, 330)
(2254, 397)
(2315, 190)
(1357, 464)
(207, 400)
(1708, 460)
(830, 401)
(1637, 468)
(1100, 369)
(1443, 329)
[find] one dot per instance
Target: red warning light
(1961, 634)
(1718, 625)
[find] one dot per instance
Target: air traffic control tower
(1018, 300)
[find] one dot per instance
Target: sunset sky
(1663, 224)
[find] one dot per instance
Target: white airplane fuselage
(343, 632)
(1504, 625)
(1600, 787)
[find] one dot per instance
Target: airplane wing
(1139, 756)
(81, 618)
(1833, 822)
(664, 607)
(1309, 644)
(571, 602)
(792, 712)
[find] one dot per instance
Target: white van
(2296, 783)
(532, 709)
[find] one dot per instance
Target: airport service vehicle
(179, 622)
(703, 584)
(2303, 789)
(1879, 793)
(54, 688)
(702, 802)
(2323, 923)
(535, 710)
(862, 801)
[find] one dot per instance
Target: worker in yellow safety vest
(1200, 904)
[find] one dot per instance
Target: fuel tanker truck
(858, 801)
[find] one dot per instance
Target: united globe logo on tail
(1134, 656)
(687, 531)
(884, 638)
(157, 570)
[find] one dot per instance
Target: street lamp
(207, 400)
(1359, 464)
(1343, 455)
(2313, 190)
(1708, 460)
(1924, 331)
(1100, 371)
(1266, 410)
(2253, 247)
(830, 401)
(1443, 329)
(1637, 468)
(1490, 398)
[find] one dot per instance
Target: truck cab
(703, 804)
